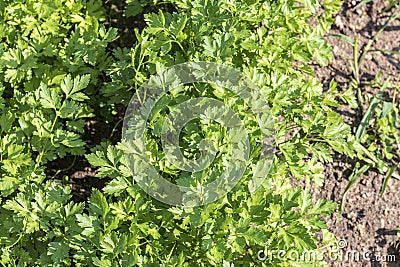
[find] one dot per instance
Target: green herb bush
(56, 73)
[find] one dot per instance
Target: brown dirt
(368, 219)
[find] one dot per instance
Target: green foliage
(264, 48)
(43, 41)
(52, 71)
(40, 126)
(379, 130)
(136, 7)
(136, 231)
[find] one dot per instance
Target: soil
(369, 219)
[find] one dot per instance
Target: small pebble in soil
(339, 22)
(335, 49)
(361, 229)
